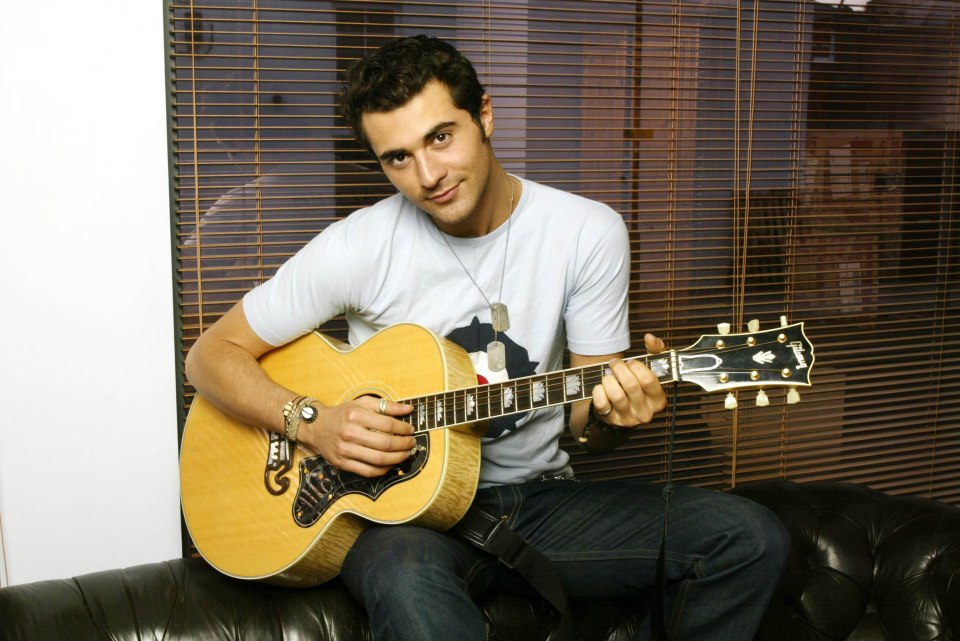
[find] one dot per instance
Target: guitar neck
(484, 402)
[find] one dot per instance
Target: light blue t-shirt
(565, 285)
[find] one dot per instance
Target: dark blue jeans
(725, 555)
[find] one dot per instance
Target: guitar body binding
(246, 521)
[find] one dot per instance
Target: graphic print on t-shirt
(474, 338)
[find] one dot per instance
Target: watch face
(308, 414)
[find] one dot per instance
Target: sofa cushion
(864, 565)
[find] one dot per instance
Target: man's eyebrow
(387, 155)
(443, 125)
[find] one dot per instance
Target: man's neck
(493, 210)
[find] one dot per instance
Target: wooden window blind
(776, 158)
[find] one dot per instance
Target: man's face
(438, 157)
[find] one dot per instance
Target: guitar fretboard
(484, 402)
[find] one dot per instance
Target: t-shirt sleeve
(307, 291)
(596, 315)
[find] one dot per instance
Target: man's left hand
(630, 394)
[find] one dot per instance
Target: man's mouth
(444, 196)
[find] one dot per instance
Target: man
(515, 272)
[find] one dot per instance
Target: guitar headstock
(780, 357)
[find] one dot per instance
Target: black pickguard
(322, 484)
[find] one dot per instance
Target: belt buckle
(557, 476)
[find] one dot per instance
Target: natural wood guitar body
(246, 531)
(259, 509)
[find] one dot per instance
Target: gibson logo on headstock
(798, 353)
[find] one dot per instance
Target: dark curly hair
(396, 72)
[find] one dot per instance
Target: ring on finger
(605, 413)
(382, 407)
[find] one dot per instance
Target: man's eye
(398, 159)
(441, 137)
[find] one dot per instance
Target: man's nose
(429, 170)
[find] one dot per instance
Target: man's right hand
(356, 437)
(223, 366)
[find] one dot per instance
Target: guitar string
(488, 402)
(558, 380)
(522, 394)
(556, 384)
(482, 399)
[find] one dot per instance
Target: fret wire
(415, 416)
(523, 395)
(495, 393)
(434, 418)
(488, 399)
(483, 403)
(425, 413)
(479, 417)
(467, 398)
(477, 392)
(460, 408)
(438, 410)
(556, 379)
(431, 411)
(496, 402)
(449, 409)
(425, 418)
(422, 418)
(437, 404)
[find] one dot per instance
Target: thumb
(653, 344)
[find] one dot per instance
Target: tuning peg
(762, 399)
(793, 396)
(783, 321)
(724, 328)
(730, 403)
(753, 326)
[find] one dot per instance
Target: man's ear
(486, 115)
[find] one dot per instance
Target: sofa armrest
(864, 564)
(178, 599)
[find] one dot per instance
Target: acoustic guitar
(260, 508)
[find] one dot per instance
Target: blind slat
(784, 158)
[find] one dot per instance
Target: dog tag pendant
(500, 318)
(496, 356)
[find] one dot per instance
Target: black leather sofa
(865, 567)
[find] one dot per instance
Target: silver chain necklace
(500, 317)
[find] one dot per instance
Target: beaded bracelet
(299, 409)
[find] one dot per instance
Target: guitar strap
(493, 535)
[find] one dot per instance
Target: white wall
(88, 449)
